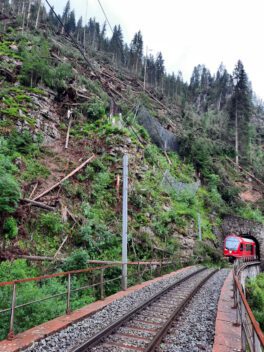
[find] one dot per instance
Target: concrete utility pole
(124, 225)
(199, 227)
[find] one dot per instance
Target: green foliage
(247, 212)
(10, 193)
(206, 253)
(51, 223)
(77, 260)
(255, 297)
(24, 143)
(32, 315)
(94, 234)
(34, 170)
(35, 62)
(94, 87)
(94, 110)
(10, 228)
(37, 66)
(59, 76)
(5, 49)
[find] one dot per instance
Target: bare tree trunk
(37, 19)
(219, 102)
(28, 12)
(236, 136)
(23, 16)
(84, 38)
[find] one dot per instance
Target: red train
(239, 247)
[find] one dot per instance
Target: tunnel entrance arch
(245, 228)
(250, 237)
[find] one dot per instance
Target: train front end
(232, 246)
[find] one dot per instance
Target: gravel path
(73, 335)
(194, 330)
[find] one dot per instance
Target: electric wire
(71, 37)
(107, 20)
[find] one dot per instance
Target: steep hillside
(47, 90)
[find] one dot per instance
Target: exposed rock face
(239, 226)
(46, 119)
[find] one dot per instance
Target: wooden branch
(68, 134)
(65, 178)
(38, 204)
(167, 157)
(28, 257)
(73, 217)
(33, 191)
(60, 247)
(246, 172)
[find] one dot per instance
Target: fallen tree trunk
(65, 178)
(245, 171)
(38, 204)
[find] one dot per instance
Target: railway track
(144, 327)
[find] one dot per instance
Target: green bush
(24, 143)
(51, 223)
(10, 193)
(94, 110)
(10, 228)
(59, 76)
(77, 260)
(34, 170)
(255, 297)
(247, 212)
(207, 253)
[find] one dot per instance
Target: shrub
(9, 193)
(207, 253)
(94, 110)
(255, 296)
(24, 143)
(52, 223)
(59, 76)
(77, 260)
(34, 170)
(35, 63)
(10, 228)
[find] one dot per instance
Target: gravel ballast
(195, 329)
(65, 340)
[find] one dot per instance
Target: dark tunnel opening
(246, 235)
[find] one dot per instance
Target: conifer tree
(240, 111)
(136, 52)
(65, 14)
(159, 69)
(116, 44)
(70, 24)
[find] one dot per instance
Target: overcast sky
(190, 32)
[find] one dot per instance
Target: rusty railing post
(138, 271)
(11, 333)
(68, 309)
(102, 291)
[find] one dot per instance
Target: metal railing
(152, 267)
(252, 338)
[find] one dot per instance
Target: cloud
(190, 32)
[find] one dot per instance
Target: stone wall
(239, 226)
(249, 272)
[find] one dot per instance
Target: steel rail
(95, 340)
(163, 331)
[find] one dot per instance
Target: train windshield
(232, 243)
